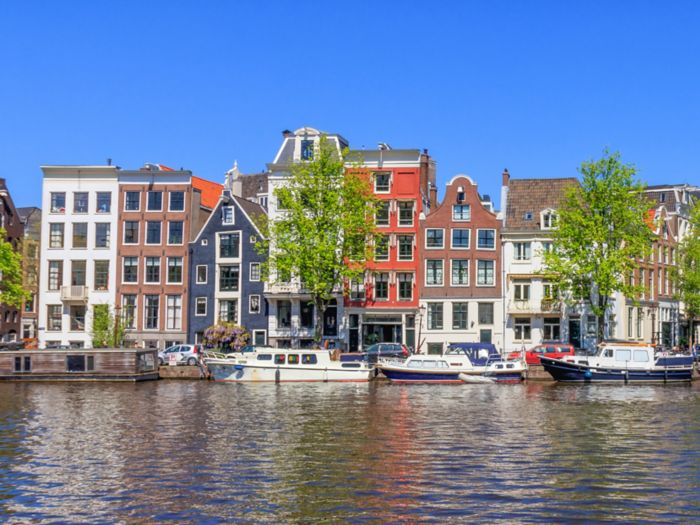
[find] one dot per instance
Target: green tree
(601, 233)
(106, 333)
(686, 274)
(321, 237)
(11, 291)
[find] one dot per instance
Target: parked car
(553, 350)
(183, 353)
(378, 350)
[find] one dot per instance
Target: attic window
(527, 216)
(307, 149)
(549, 219)
(460, 194)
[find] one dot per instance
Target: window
(152, 232)
(308, 359)
(254, 304)
(522, 329)
(201, 274)
(175, 229)
(174, 270)
(549, 220)
(485, 313)
(381, 286)
(307, 149)
(132, 201)
(130, 273)
(549, 291)
(29, 303)
(102, 234)
(382, 182)
(56, 235)
(461, 212)
(486, 239)
(522, 251)
(434, 316)
(630, 322)
(459, 316)
(405, 247)
(77, 318)
(551, 329)
(406, 213)
(58, 202)
(23, 365)
(227, 215)
(640, 322)
(485, 273)
(101, 275)
(129, 311)
(381, 247)
(521, 290)
(54, 318)
(357, 289)
(80, 363)
(460, 238)
(252, 239)
(177, 201)
(152, 270)
(228, 278)
(155, 201)
(80, 202)
(131, 232)
(547, 246)
(382, 214)
(151, 311)
(104, 202)
(77, 277)
(200, 308)
(306, 315)
(228, 245)
(174, 312)
(434, 238)
(433, 272)
(254, 272)
(460, 272)
(284, 314)
(55, 275)
(405, 286)
(80, 234)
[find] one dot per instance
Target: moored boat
(621, 363)
(285, 365)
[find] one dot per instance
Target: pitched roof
(527, 198)
(210, 191)
(251, 208)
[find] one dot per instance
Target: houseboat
(285, 365)
(83, 364)
(621, 363)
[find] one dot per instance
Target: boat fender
(238, 367)
(588, 374)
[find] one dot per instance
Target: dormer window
(527, 216)
(549, 220)
(307, 149)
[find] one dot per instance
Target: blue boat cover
(475, 352)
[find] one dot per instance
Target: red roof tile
(211, 191)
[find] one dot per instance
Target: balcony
(546, 306)
(551, 306)
(74, 294)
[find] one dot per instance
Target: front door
(575, 332)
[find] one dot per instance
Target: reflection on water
(197, 452)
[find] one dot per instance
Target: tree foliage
(602, 231)
(11, 291)
(227, 336)
(106, 333)
(320, 239)
(686, 274)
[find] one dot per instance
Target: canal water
(199, 452)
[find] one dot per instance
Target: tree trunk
(601, 329)
(319, 310)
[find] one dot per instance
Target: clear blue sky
(536, 87)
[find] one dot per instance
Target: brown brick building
(10, 221)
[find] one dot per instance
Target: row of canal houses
(172, 253)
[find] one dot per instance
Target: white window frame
(476, 275)
(145, 313)
(250, 272)
(223, 215)
(494, 239)
(388, 248)
(196, 303)
(468, 206)
(469, 239)
(374, 182)
(184, 201)
(161, 203)
(167, 269)
(398, 213)
(138, 234)
(516, 255)
(124, 258)
(442, 247)
(206, 274)
(398, 247)
(257, 332)
(145, 271)
(388, 286)
(167, 240)
(177, 320)
(521, 324)
(456, 285)
(548, 224)
(160, 236)
(125, 200)
(442, 272)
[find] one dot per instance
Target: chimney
(286, 133)
(433, 196)
(506, 177)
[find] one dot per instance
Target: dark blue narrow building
(225, 271)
